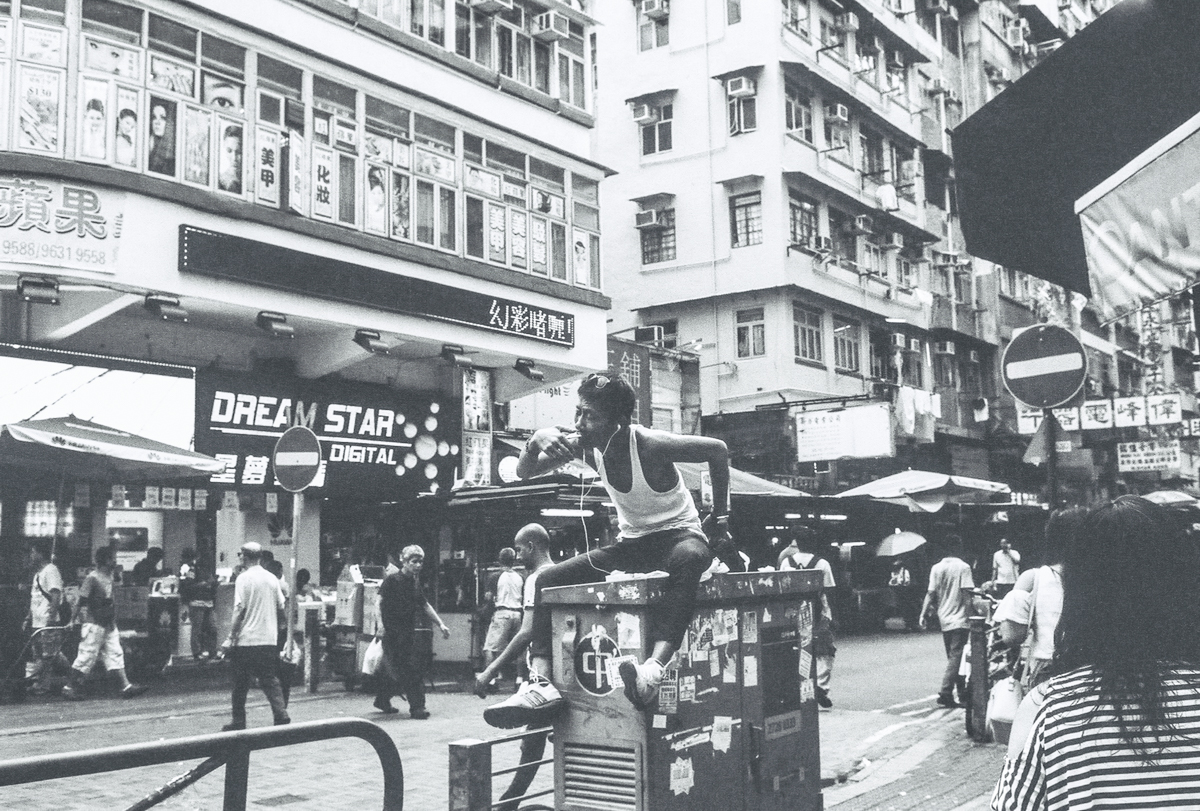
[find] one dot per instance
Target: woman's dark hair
(1061, 529)
(611, 394)
(1131, 609)
(303, 578)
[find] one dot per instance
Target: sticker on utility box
(592, 660)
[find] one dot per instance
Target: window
(670, 332)
(912, 369)
(652, 33)
(833, 38)
(870, 155)
(657, 137)
(906, 272)
(802, 219)
(751, 333)
(572, 83)
(883, 366)
(866, 58)
(962, 286)
(745, 219)
(798, 112)
(733, 11)
(847, 344)
(806, 332)
(837, 138)
(795, 17)
(113, 20)
(896, 76)
(845, 244)
(658, 244)
(875, 260)
(945, 370)
(743, 114)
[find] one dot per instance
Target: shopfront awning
(86, 448)
(1106, 95)
(741, 483)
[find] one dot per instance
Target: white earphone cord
(583, 492)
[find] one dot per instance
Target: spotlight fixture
(368, 339)
(275, 325)
(37, 289)
(526, 367)
(166, 307)
(455, 355)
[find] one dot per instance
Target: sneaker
(234, 726)
(535, 704)
(283, 720)
(641, 682)
(823, 699)
(72, 693)
(385, 707)
(947, 702)
(134, 690)
(419, 715)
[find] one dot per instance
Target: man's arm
(667, 448)
(548, 449)
(239, 616)
(513, 649)
(434, 618)
(926, 605)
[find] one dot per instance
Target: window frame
(752, 233)
(847, 344)
(808, 338)
(658, 245)
(750, 322)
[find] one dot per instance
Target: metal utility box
(735, 725)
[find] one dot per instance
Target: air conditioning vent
(863, 224)
(492, 6)
(837, 113)
(914, 344)
(645, 114)
(656, 9)
(938, 85)
(847, 22)
(822, 244)
(1014, 35)
(740, 87)
(605, 778)
(944, 347)
(551, 26)
(896, 241)
(899, 340)
(647, 219)
(938, 6)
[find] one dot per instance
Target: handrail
(233, 748)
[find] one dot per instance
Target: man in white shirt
(258, 611)
(801, 553)
(45, 596)
(949, 581)
(1006, 566)
(506, 618)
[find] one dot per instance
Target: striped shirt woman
(1076, 758)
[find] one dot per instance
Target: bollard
(470, 775)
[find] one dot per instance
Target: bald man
(258, 611)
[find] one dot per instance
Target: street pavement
(907, 755)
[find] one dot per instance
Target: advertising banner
(1154, 454)
(44, 222)
(375, 441)
(861, 432)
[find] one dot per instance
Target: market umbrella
(923, 491)
(899, 543)
(1172, 498)
(89, 448)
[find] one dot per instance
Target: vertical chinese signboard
(633, 362)
(477, 426)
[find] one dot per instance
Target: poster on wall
(537, 245)
(861, 432)
(442, 167)
(101, 56)
(477, 399)
(43, 44)
(230, 148)
(375, 218)
(60, 224)
(5, 105)
(172, 76)
(401, 207)
(297, 148)
(92, 143)
(197, 134)
(477, 458)
(162, 140)
(377, 147)
(266, 178)
(633, 362)
(322, 183)
(126, 135)
(221, 93)
(580, 246)
(39, 95)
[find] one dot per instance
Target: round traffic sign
(297, 458)
(1044, 366)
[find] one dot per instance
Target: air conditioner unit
(645, 114)
(1014, 35)
(899, 340)
(822, 244)
(492, 6)
(896, 241)
(944, 347)
(863, 224)
(847, 21)
(647, 219)
(1000, 75)
(551, 26)
(938, 6)
(837, 114)
(973, 355)
(938, 85)
(656, 9)
(869, 43)
(895, 60)
(953, 97)
(914, 344)
(740, 87)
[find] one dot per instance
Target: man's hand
(445, 631)
(716, 527)
(481, 685)
(558, 443)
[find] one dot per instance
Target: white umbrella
(923, 491)
(899, 543)
(1172, 498)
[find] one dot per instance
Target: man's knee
(691, 556)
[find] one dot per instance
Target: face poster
(39, 99)
(107, 57)
(230, 148)
(172, 76)
(93, 120)
(376, 218)
(160, 154)
(197, 132)
(126, 146)
(219, 92)
(401, 219)
(46, 45)
(582, 257)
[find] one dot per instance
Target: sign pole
(1051, 458)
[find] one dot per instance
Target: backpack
(65, 611)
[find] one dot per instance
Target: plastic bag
(1003, 702)
(373, 658)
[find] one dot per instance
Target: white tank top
(644, 510)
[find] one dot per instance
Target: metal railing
(229, 749)
(471, 773)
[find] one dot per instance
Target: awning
(1099, 101)
(88, 448)
(740, 482)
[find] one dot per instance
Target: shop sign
(375, 441)
(1120, 412)
(1154, 454)
(43, 222)
(594, 660)
(861, 432)
(633, 361)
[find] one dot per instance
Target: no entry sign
(1044, 366)
(297, 458)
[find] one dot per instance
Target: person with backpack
(801, 553)
(49, 612)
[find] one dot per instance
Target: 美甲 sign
(374, 440)
(44, 222)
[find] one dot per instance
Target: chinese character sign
(267, 164)
(1096, 415)
(43, 222)
(1129, 411)
(1028, 419)
(1164, 409)
(1154, 454)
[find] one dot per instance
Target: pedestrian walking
(1115, 728)
(45, 619)
(100, 641)
(1006, 566)
(904, 593)
(198, 590)
(401, 605)
(660, 529)
(505, 592)
(258, 612)
(805, 543)
(949, 583)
